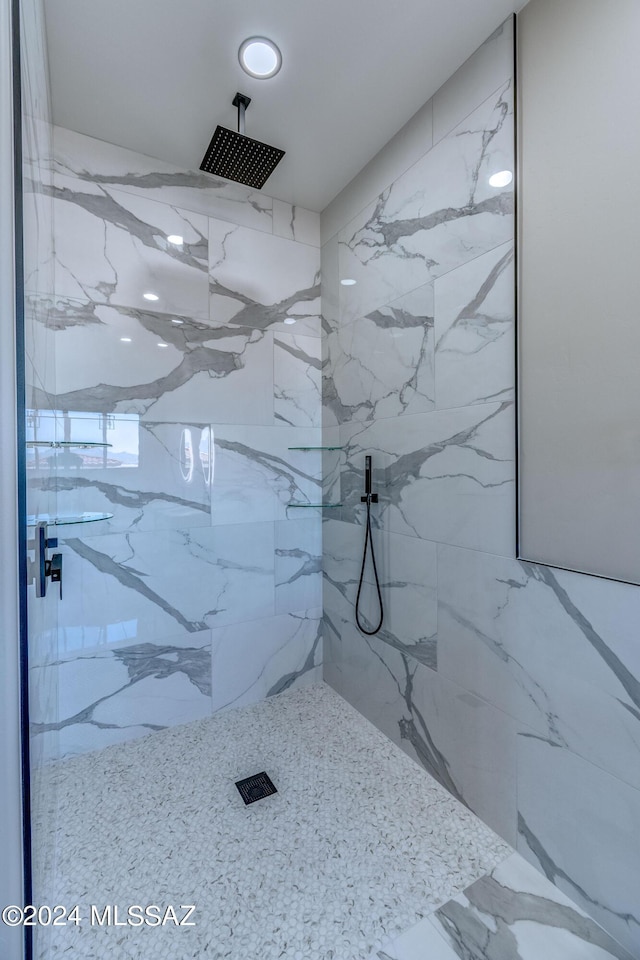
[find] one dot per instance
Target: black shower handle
(367, 475)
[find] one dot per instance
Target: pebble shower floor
(358, 844)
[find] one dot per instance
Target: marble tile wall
(517, 686)
(203, 589)
(511, 912)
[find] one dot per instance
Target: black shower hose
(368, 541)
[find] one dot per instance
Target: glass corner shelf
(309, 506)
(58, 444)
(54, 521)
(315, 448)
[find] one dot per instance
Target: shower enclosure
(172, 350)
(176, 466)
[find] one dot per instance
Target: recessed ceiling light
(125, 339)
(289, 320)
(259, 57)
(348, 282)
(151, 296)
(501, 179)
(163, 344)
(176, 240)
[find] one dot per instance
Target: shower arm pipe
(241, 102)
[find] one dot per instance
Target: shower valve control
(53, 569)
(369, 498)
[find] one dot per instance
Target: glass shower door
(40, 459)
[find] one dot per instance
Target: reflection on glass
(117, 440)
(186, 455)
(207, 455)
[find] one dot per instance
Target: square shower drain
(255, 787)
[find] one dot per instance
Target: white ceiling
(156, 76)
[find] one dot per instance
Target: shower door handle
(42, 566)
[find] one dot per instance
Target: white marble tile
(332, 462)
(226, 373)
(549, 649)
(408, 579)
(409, 144)
(115, 692)
(474, 331)
(154, 476)
(201, 373)
(37, 223)
(330, 317)
(146, 586)
(422, 942)
(112, 248)
(255, 660)
(382, 365)
(341, 560)
(44, 745)
(329, 265)
(579, 825)
(98, 165)
(485, 71)
(465, 743)
(297, 379)
(438, 215)
(298, 565)
(38, 226)
(257, 476)
(357, 844)
(258, 281)
(517, 913)
(446, 476)
(296, 223)
(39, 342)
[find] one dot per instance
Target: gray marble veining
(153, 476)
(474, 330)
(446, 476)
(96, 166)
(125, 253)
(463, 741)
(142, 662)
(257, 476)
(565, 801)
(297, 380)
(312, 659)
(543, 647)
(259, 281)
(511, 913)
(251, 662)
(203, 393)
(188, 376)
(438, 215)
(381, 365)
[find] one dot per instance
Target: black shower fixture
(237, 157)
(369, 498)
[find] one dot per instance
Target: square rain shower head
(237, 157)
